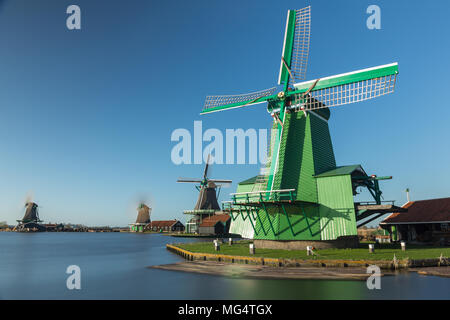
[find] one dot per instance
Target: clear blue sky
(86, 116)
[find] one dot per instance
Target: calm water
(113, 266)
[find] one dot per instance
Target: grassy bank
(382, 252)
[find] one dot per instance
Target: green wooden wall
(303, 223)
(305, 150)
(240, 223)
(337, 211)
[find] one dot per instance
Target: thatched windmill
(143, 218)
(31, 213)
(31, 220)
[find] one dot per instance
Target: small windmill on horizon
(30, 220)
(207, 203)
(142, 219)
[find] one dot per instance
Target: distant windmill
(31, 213)
(143, 218)
(207, 198)
(31, 220)
(143, 214)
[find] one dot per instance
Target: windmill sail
(220, 181)
(189, 180)
(295, 46)
(293, 65)
(205, 172)
(346, 88)
(300, 50)
(220, 103)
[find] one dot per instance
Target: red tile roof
(433, 210)
(213, 220)
(161, 223)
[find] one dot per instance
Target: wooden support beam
(306, 218)
(370, 220)
(268, 218)
(289, 221)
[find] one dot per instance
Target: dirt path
(267, 272)
(433, 271)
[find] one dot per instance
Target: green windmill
(301, 194)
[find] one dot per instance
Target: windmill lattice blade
(349, 93)
(220, 181)
(300, 50)
(208, 160)
(223, 185)
(219, 103)
(189, 180)
(346, 88)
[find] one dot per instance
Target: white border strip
(317, 115)
(284, 47)
(245, 105)
(346, 74)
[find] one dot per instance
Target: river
(113, 266)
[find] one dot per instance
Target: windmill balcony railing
(262, 196)
(227, 205)
(368, 203)
(200, 211)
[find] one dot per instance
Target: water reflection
(113, 266)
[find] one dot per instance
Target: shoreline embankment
(315, 268)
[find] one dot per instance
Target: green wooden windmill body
(303, 195)
(305, 150)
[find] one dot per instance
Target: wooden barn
(165, 226)
(218, 224)
(425, 221)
